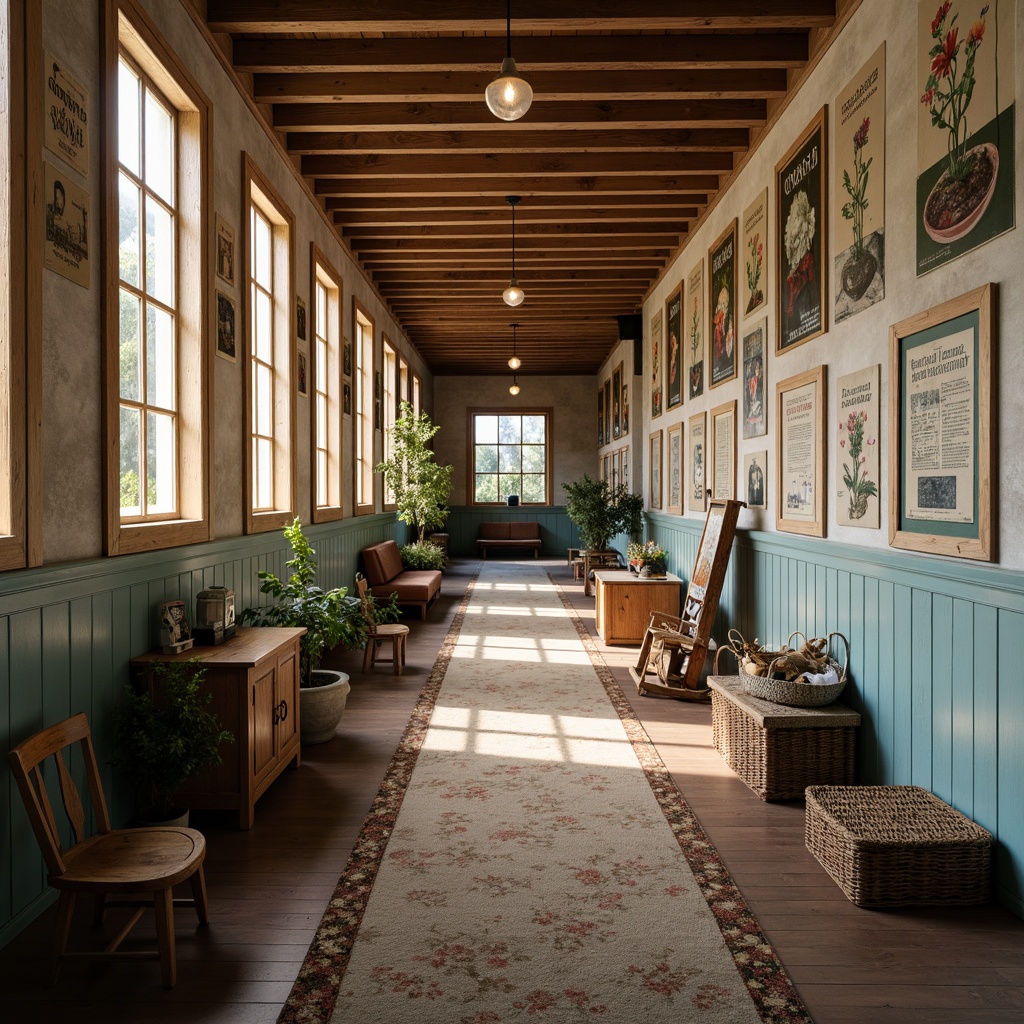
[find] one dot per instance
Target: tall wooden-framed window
(509, 453)
(269, 245)
(404, 391)
(157, 291)
(326, 388)
(362, 327)
(417, 395)
(390, 407)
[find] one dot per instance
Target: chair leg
(163, 904)
(368, 654)
(198, 883)
(65, 911)
(396, 655)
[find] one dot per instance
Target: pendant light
(513, 294)
(515, 362)
(514, 386)
(508, 96)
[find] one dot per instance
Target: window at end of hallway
(509, 454)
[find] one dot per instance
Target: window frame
(389, 408)
(259, 191)
(548, 413)
(127, 27)
(364, 433)
(321, 266)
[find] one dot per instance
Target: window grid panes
(364, 410)
(147, 299)
(261, 285)
(321, 397)
(510, 458)
(390, 408)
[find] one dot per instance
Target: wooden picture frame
(723, 451)
(674, 348)
(696, 462)
(617, 401)
(624, 463)
(801, 238)
(654, 464)
(674, 455)
(755, 479)
(607, 410)
(800, 409)
(755, 373)
(940, 374)
(657, 351)
(225, 261)
(723, 324)
(227, 318)
(600, 415)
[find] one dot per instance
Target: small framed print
(300, 317)
(607, 410)
(674, 444)
(617, 401)
(724, 326)
(755, 422)
(303, 373)
(723, 451)
(346, 399)
(226, 327)
(696, 478)
(378, 385)
(377, 421)
(755, 473)
(800, 406)
(625, 410)
(654, 498)
(600, 416)
(674, 348)
(347, 359)
(225, 251)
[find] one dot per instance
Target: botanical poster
(695, 479)
(965, 127)
(673, 328)
(656, 351)
(694, 330)
(755, 252)
(66, 121)
(858, 190)
(722, 306)
(755, 422)
(857, 458)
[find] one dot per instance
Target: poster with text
(694, 330)
(656, 351)
(755, 255)
(673, 344)
(66, 122)
(695, 484)
(858, 397)
(755, 422)
(722, 306)
(675, 469)
(798, 430)
(66, 246)
(723, 446)
(965, 127)
(858, 190)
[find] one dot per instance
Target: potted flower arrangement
(860, 268)
(647, 559)
(754, 265)
(696, 365)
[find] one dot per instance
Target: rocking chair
(674, 648)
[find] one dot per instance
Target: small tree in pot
(601, 511)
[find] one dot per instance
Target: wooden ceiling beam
(696, 186)
(457, 205)
(537, 276)
(380, 224)
(501, 248)
(525, 232)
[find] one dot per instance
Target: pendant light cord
(513, 239)
(508, 28)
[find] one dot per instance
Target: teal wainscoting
(936, 656)
(68, 633)
(557, 532)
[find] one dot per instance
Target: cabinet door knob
(281, 711)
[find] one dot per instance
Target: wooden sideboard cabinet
(624, 603)
(254, 679)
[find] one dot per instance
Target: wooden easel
(674, 649)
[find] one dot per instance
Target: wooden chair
(674, 649)
(377, 633)
(120, 862)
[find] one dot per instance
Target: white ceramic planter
(322, 706)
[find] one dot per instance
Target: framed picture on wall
(724, 325)
(625, 466)
(674, 444)
(656, 354)
(607, 410)
(723, 451)
(674, 348)
(617, 401)
(755, 476)
(225, 250)
(600, 416)
(696, 478)
(226, 327)
(941, 410)
(625, 410)
(300, 317)
(755, 420)
(800, 403)
(654, 451)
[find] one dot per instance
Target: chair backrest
(365, 601)
(27, 760)
(701, 603)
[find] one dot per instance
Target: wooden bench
(509, 535)
(382, 564)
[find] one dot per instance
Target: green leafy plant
(331, 617)
(857, 189)
(422, 555)
(601, 511)
(856, 479)
(419, 485)
(650, 552)
(167, 737)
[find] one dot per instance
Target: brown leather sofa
(382, 565)
(509, 535)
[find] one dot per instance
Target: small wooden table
(777, 750)
(625, 601)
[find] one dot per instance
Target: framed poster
(607, 411)
(674, 443)
(625, 410)
(226, 327)
(66, 118)
(858, 203)
(347, 359)
(617, 401)
(600, 416)
(940, 428)
(673, 346)
(303, 373)
(300, 317)
(722, 305)
(755, 472)
(858, 398)
(755, 249)
(801, 238)
(66, 249)
(225, 250)
(800, 449)
(654, 498)
(694, 330)
(755, 422)
(723, 451)
(696, 482)
(965, 127)
(625, 467)
(656, 351)
(346, 400)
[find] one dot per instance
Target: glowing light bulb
(513, 294)
(514, 363)
(508, 97)
(513, 389)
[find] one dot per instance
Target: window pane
(486, 458)
(321, 420)
(128, 118)
(321, 477)
(486, 488)
(129, 345)
(159, 358)
(533, 430)
(265, 473)
(321, 310)
(263, 323)
(264, 401)
(159, 148)
(321, 366)
(129, 463)
(128, 231)
(533, 458)
(487, 429)
(533, 488)
(510, 429)
(160, 463)
(510, 484)
(159, 252)
(510, 458)
(261, 251)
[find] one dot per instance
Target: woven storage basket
(795, 694)
(891, 846)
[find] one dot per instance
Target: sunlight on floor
(516, 610)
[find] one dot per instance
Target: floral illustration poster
(722, 305)
(755, 422)
(858, 190)
(693, 330)
(801, 210)
(857, 458)
(674, 350)
(965, 127)
(755, 255)
(656, 365)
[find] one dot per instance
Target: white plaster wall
(571, 400)
(72, 411)
(863, 339)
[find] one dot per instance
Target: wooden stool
(377, 633)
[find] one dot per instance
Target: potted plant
(601, 511)
(422, 555)
(647, 559)
(165, 736)
(330, 618)
(419, 485)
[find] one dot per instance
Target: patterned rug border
(767, 980)
(315, 992)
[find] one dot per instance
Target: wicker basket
(891, 846)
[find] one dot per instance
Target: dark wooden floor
(268, 887)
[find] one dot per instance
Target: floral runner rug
(528, 857)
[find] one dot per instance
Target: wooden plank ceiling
(642, 110)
